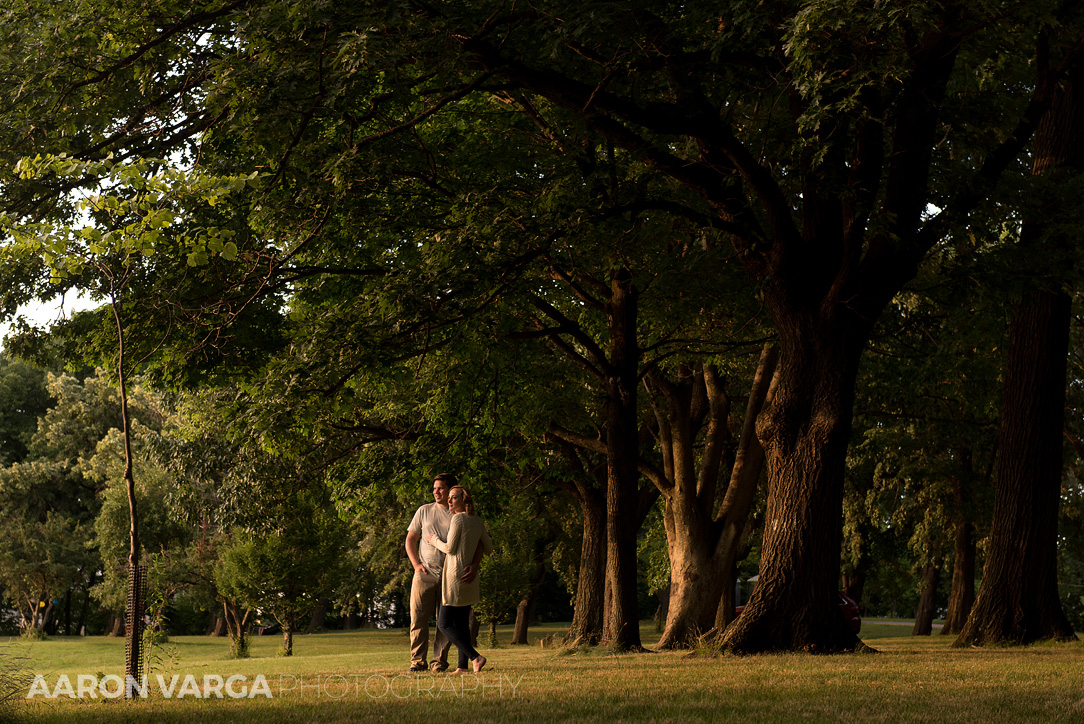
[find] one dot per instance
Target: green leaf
(198, 258)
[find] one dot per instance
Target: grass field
(361, 677)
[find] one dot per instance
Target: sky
(42, 314)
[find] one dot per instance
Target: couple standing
(445, 542)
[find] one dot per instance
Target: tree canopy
(543, 245)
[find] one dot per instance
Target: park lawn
(360, 676)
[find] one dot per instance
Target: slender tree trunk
(962, 593)
(48, 624)
(83, 613)
(237, 623)
(1018, 600)
(133, 635)
(805, 430)
(287, 640)
(732, 520)
(927, 600)
(621, 629)
(68, 612)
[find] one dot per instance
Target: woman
(465, 532)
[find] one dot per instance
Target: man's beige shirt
(431, 518)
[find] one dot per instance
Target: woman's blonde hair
(468, 499)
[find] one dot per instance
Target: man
(428, 562)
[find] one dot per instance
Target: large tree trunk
(524, 613)
(218, 625)
(1018, 599)
(586, 628)
(689, 494)
(805, 429)
(695, 584)
(927, 600)
(702, 543)
(621, 629)
(962, 592)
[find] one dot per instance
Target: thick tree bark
(662, 611)
(805, 430)
(962, 592)
(586, 627)
(695, 583)
(927, 600)
(1018, 600)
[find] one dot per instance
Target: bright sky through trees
(45, 313)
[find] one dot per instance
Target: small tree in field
(284, 572)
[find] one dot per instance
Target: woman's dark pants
(454, 623)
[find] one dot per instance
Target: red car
(847, 606)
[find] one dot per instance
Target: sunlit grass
(361, 676)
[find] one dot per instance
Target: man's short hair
(449, 480)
